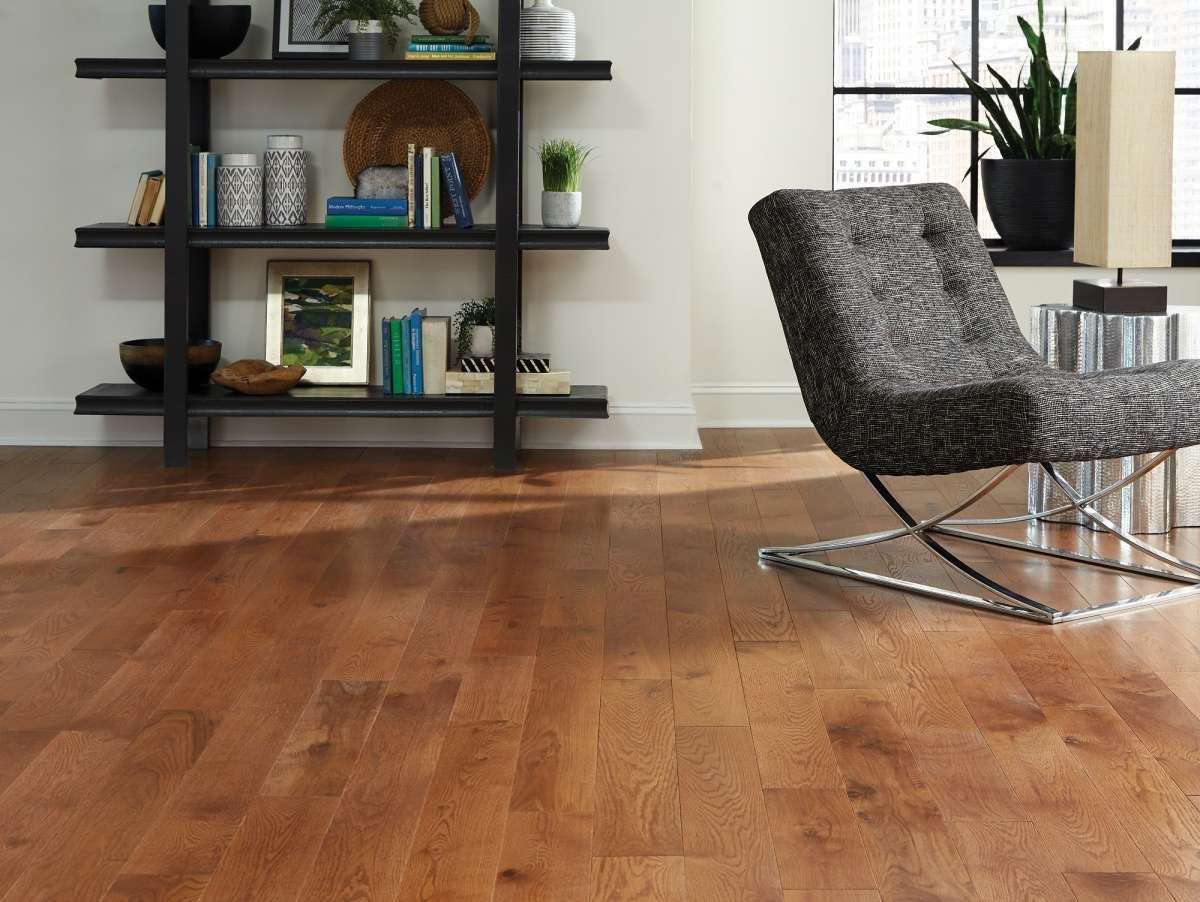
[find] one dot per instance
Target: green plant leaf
(1028, 131)
(965, 125)
(1071, 112)
(1031, 36)
(995, 114)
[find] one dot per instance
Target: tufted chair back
(884, 290)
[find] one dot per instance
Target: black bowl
(144, 361)
(216, 31)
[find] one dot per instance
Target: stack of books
(203, 199)
(366, 213)
(451, 48)
(416, 354)
(430, 175)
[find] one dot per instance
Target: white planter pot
(483, 341)
(562, 209)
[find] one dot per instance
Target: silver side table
(1086, 342)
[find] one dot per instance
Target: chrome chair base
(1007, 601)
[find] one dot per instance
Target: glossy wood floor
(305, 676)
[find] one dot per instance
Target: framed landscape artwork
(297, 37)
(319, 316)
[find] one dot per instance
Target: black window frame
(885, 90)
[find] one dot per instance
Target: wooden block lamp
(1123, 176)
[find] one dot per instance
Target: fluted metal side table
(1085, 342)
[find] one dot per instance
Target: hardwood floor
(390, 676)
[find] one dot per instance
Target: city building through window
(893, 72)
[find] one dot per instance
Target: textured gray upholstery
(910, 358)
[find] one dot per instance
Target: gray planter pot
(367, 41)
(562, 209)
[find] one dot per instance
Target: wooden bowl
(257, 377)
(144, 358)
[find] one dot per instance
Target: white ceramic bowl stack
(547, 32)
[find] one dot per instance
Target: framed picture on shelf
(296, 35)
(319, 316)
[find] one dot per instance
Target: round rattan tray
(424, 113)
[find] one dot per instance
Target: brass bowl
(144, 360)
(257, 377)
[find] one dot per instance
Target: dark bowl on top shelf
(144, 362)
(216, 31)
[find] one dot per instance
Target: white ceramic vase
(547, 32)
(562, 209)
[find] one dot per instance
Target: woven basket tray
(425, 113)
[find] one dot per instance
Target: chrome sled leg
(1000, 598)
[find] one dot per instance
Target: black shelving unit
(187, 295)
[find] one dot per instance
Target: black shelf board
(124, 399)
(315, 237)
(573, 70)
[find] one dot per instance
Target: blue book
(415, 319)
(213, 160)
(385, 351)
(459, 199)
(194, 194)
(354, 206)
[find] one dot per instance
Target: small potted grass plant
(562, 165)
(370, 24)
(475, 328)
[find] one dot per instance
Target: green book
(338, 221)
(450, 39)
(397, 357)
(406, 354)
(437, 192)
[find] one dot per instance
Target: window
(893, 73)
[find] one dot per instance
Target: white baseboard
(750, 405)
(51, 422)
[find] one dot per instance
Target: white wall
(763, 100)
(75, 148)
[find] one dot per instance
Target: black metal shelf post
(178, 263)
(506, 433)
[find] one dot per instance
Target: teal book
(416, 318)
(397, 357)
(340, 221)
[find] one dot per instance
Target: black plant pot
(1032, 202)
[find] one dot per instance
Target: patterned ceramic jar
(239, 191)
(286, 184)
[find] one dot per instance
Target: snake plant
(1045, 110)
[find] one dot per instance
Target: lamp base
(1125, 299)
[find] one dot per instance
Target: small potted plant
(475, 328)
(562, 165)
(370, 24)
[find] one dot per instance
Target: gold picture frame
(319, 317)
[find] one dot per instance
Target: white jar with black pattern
(239, 191)
(286, 181)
